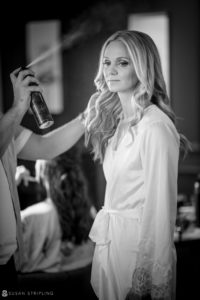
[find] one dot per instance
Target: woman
(55, 230)
(131, 127)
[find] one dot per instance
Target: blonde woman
(131, 128)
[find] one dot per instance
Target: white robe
(134, 230)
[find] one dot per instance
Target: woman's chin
(113, 90)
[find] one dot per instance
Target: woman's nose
(112, 70)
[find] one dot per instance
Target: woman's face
(118, 69)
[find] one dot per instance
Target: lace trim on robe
(154, 282)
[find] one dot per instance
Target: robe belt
(100, 232)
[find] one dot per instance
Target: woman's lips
(113, 80)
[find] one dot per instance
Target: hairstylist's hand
(21, 88)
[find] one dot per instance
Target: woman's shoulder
(154, 116)
(158, 123)
(39, 209)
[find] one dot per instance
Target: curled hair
(67, 186)
(104, 108)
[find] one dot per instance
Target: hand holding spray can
(39, 108)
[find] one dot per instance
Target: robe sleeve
(153, 275)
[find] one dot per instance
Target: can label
(40, 110)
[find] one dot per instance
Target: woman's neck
(127, 105)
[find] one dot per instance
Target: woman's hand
(21, 80)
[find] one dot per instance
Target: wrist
(18, 111)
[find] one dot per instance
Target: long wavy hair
(104, 108)
(67, 186)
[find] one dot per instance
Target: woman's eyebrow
(119, 57)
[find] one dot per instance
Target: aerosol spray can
(39, 108)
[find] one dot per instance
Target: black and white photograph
(100, 150)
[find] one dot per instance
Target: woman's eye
(106, 63)
(123, 63)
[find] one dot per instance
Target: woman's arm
(153, 274)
